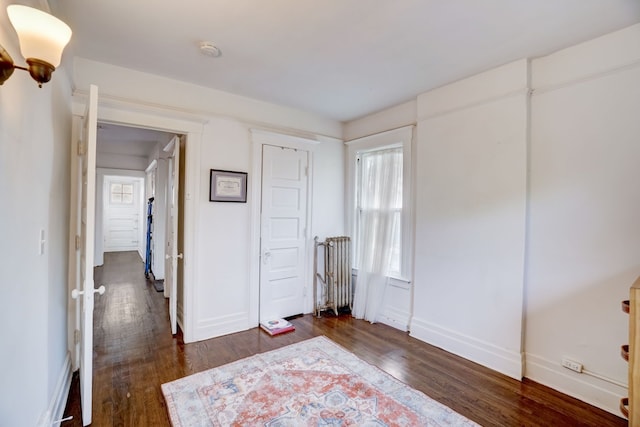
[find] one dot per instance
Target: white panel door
(172, 255)
(122, 214)
(86, 160)
(283, 222)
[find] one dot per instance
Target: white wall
(556, 175)
(584, 232)
(470, 217)
(155, 91)
(121, 161)
(392, 118)
(224, 233)
(35, 129)
(220, 258)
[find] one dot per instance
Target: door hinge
(77, 242)
(76, 336)
(306, 171)
(80, 148)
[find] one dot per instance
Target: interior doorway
(113, 155)
(132, 200)
(189, 128)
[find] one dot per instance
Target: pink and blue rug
(311, 383)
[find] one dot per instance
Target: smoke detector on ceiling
(210, 49)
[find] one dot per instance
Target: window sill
(394, 280)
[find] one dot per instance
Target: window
(121, 193)
(371, 158)
(379, 199)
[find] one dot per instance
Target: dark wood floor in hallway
(135, 353)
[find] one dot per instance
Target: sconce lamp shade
(42, 36)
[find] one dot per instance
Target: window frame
(402, 137)
(122, 193)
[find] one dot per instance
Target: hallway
(133, 346)
(134, 353)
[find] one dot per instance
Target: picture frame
(227, 186)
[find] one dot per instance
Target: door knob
(76, 293)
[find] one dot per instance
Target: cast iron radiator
(333, 290)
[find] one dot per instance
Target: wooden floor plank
(135, 353)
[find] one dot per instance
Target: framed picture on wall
(227, 186)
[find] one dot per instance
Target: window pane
(379, 207)
(395, 267)
(121, 193)
(377, 185)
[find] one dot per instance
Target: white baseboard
(395, 318)
(593, 391)
(482, 352)
(223, 325)
(55, 411)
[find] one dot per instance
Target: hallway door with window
(122, 203)
(283, 223)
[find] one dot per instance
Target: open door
(172, 255)
(84, 244)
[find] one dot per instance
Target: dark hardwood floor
(135, 353)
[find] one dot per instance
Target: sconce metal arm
(39, 70)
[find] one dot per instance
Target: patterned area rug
(311, 383)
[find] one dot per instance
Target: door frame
(260, 138)
(132, 114)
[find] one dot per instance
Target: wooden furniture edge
(634, 358)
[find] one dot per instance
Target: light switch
(41, 243)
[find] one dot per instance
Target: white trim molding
(594, 391)
(485, 353)
(222, 325)
(55, 410)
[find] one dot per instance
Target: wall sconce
(42, 39)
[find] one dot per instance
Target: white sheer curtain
(380, 210)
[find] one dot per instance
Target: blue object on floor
(147, 262)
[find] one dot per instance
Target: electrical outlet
(572, 364)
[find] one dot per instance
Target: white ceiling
(122, 140)
(339, 58)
